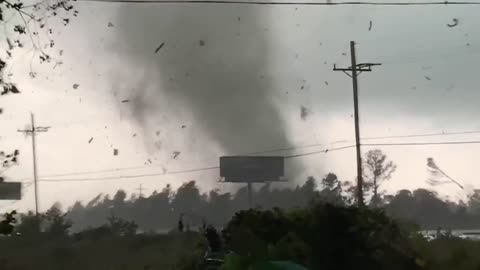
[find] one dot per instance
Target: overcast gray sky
(232, 79)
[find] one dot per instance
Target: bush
(322, 237)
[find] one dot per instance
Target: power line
(422, 135)
(319, 152)
(286, 157)
(271, 151)
(282, 3)
(127, 176)
(422, 143)
(177, 172)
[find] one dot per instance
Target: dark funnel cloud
(207, 60)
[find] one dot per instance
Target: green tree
(377, 169)
(30, 225)
(332, 191)
(57, 225)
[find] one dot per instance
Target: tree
(377, 170)
(57, 223)
(30, 225)
(18, 25)
(332, 191)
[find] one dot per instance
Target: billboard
(251, 168)
(10, 191)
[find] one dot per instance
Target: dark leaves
(159, 47)
(19, 29)
(9, 88)
(44, 58)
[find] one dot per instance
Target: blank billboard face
(251, 168)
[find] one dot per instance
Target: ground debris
(125, 100)
(176, 154)
(115, 152)
(201, 43)
(110, 24)
(428, 78)
(184, 126)
(91, 139)
(75, 86)
(370, 25)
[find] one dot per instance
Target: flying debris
(75, 86)
(176, 154)
(159, 47)
(370, 25)
(454, 23)
(115, 152)
(91, 139)
(303, 112)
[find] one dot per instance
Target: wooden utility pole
(33, 130)
(249, 191)
(140, 191)
(355, 69)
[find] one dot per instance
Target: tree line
(162, 210)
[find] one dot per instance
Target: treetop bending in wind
(437, 173)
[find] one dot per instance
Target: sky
(232, 79)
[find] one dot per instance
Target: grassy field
(167, 251)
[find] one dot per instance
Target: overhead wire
(178, 172)
(285, 3)
(422, 143)
(267, 151)
(286, 157)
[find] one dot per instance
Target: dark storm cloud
(204, 60)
